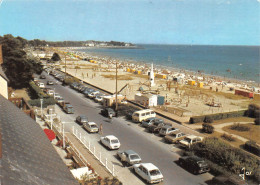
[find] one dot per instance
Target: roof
(130, 152)
(149, 166)
(92, 123)
(2, 73)
(28, 157)
(111, 137)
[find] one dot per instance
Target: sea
(236, 62)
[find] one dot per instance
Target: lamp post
(41, 105)
(116, 91)
(51, 118)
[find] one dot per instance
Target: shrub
(70, 80)
(252, 147)
(208, 119)
(257, 121)
(228, 137)
(207, 128)
(253, 111)
(38, 90)
(46, 102)
(239, 127)
(219, 116)
(230, 158)
(197, 119)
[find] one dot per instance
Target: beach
(181, 99)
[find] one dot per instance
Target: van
(141, 115)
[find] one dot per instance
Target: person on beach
(101, 129)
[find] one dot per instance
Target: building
(3, 79)
(26, 154)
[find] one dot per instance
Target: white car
(90, 127)
(149, 172)
(41, 85)
(110, 141)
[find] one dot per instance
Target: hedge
(253, 111)
(218, 116)
(252, 147)
(46, 102)
(38, 90)
(230, 158)
(207, 128)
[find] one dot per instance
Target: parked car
(110, 141)
(93, 94)
(81, 119)
(68, 108)
(156, 126)
(59, 100)
(131, 157)
(50, 83)
(228, 180)
(167, 129)
(99, 97)
(108, 112)
(149, 172)
(194, 164)
(41, 85)
(91, 127)
(174, 137)
(190, 140)
(146, 123)
(42, 77)
(88, 91)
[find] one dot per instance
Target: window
(147, 114)
(143, 114)
(152, 112)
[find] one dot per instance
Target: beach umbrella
(50, 134)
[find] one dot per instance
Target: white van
(141, 115)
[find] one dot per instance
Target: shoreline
(137, 64)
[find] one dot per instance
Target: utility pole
(116, 91)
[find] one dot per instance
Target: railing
(92, 150)
(57, 126)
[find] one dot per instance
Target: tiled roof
(28, 157)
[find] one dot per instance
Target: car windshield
(93, 126)
(114, 141)
(187, 139)
(155, 172)
(134, 156)
(164, 129)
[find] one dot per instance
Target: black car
(194, 164)
(82, 119)
(156, 125)
(108, 112)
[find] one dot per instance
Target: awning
(50, 134)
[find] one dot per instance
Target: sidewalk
(95, 164)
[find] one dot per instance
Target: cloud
(258, 1)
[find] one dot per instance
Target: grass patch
(119, 77)
(252, 134)
(238, 143)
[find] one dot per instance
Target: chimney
(1, 55)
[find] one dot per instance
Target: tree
(55, 57)
(18, 68)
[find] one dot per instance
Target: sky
(205, 22)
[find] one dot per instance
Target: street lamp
(41, 105)
(116, 91)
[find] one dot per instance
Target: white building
(3, 79)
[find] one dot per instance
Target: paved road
(149, 146)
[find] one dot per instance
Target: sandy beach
(181, 98)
